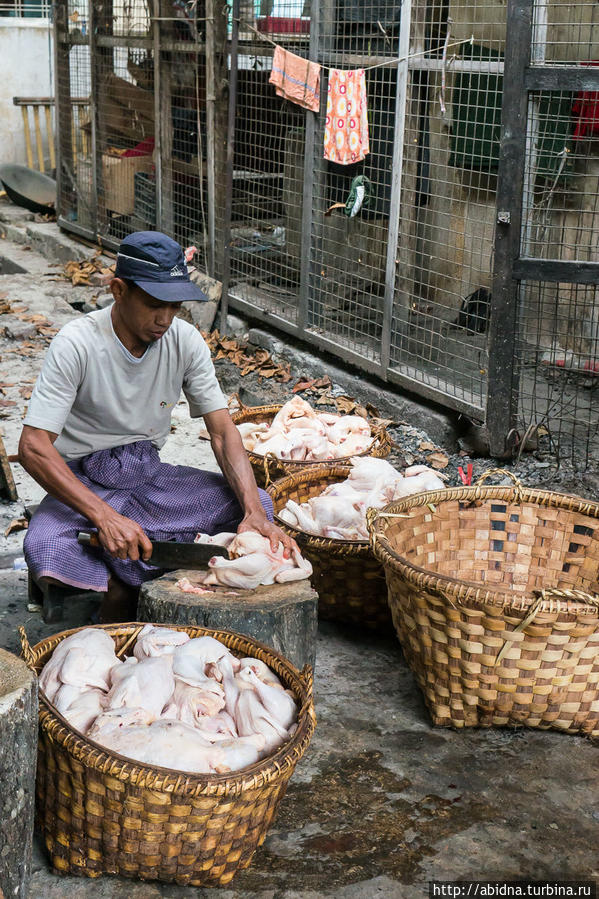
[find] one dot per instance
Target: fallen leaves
(312, 384)
(17, 524)
(438, 460)
(81, 272)
(241, 355)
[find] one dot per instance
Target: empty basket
(492, 591)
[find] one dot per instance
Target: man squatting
(98, 416)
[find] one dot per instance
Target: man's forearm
(48, 468)
(235, 465)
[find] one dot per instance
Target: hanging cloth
(296, 79)
(346, 124)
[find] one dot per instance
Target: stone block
(18, 751)
(283, 616)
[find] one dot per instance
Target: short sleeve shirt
(95, 395)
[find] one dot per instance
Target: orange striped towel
(296, 79)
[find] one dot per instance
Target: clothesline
(378, 65)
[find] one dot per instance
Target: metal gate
(544, 367)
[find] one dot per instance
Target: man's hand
(123, 538)
(257, 521)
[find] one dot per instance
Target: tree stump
(283, 616)
(18, 752)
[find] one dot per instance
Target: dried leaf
(438, 460)
(26, 392)
(424, 446)
(5, 403)
(303, 384)
(322, 383)
(17, 524)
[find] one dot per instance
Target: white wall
(25, 60)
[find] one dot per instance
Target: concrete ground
(383, 802)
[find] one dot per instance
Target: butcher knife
(171, 555)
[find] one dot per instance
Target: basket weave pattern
(348, 579)
(492, 593)
(268, 468)
(101, 813)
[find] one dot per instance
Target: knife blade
(171, 555)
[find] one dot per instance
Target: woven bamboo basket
(268, 468)
(101, 813)
(347, 577)
(493, 595)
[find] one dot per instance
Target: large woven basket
(268, 468)
(101, 813)
(348, 579)
(493, 595)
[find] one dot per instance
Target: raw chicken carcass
(294, 410)
(97, 658)
(348, 425)
(148, 684)
(189, 704)
(354, 444)
(243, 751)
(252, 718)
(277, 702)
(169, 744)
(253, 562)
(110, 721)
(157, 641)
(368, 473)
(262, 671)
(85, 709)
(339, 512)
(190, 661)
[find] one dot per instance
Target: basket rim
(246, 413)
(335, 472)
(155, 777)
(469, 592)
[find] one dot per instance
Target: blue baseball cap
(156, 263)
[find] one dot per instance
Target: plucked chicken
(188, 704)
(252, 562)
(298, 433)
(339, 512)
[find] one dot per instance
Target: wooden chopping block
(283, 616)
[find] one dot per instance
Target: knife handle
(88, 539)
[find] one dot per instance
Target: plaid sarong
(170, 502)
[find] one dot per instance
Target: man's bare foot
(119, 603)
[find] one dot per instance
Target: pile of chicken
(298, 433)
(179, 703)
(251, 562)
(340, 510)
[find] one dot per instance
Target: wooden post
(163, 118)
(25, 114)
(50, 133)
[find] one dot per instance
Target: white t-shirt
(95, 395)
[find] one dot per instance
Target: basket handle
(382, 441)
(503, 472)
(575, 595)
(307, 676)
(269, 458)
(543, 595)
(26, 650)
(235, 396)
